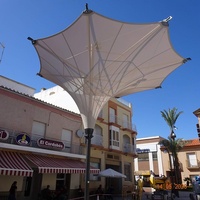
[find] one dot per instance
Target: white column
(151, 161)
(136, 164)
(160, 164)
(151, 166)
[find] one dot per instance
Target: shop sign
(50, 144)
(142, 173)
(4, 135)
(23, 139)
(138, 150)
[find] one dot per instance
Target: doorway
(115, 183)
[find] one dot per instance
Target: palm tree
(170, 117)
(173, 145)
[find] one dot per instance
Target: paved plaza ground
(147, 196)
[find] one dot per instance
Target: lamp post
(173, 136)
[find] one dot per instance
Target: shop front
(33, 172)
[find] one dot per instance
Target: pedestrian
(46, 193)
(12, 191)
(109, 193)
(80, 191)
(140, 187)
(196, 187)
(99, 191)
(62, 194)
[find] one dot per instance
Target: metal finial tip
(87, 11)
(86, 6)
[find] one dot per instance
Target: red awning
(13, 164)
(58, 165)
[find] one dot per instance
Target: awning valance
(13, 164)
(47, 164)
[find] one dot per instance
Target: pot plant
(187, 180)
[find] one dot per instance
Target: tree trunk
(178, 178)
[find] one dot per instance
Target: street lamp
(175, 175)
(173, 135)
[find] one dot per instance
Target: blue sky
(42, 18)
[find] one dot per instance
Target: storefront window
(143, 156)
(94, 177)
(60, 181)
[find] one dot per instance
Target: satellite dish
(79, 133)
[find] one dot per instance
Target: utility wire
(3, 47)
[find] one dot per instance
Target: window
(112, 115)
(97, 166)
(192, 160)
(38, 130)
(143, 156)
(155, 156)
(125, 121)
(114, 137)
(60, 181)
(127, 147)
(66, 138)
(127, 171)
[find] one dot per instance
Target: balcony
(129, 149)
(72, 148)
(97, 140)
(122, 124)
(193, 164)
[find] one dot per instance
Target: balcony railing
(125, 148)
(97, 140)
(193, 164)
(128, 148)
(122, 123)
(73, 148)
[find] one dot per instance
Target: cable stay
(3, 47)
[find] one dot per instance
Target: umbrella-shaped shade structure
(110, 173)
(97, 58)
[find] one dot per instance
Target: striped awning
(13, 164)
(47, 164)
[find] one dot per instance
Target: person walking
(12, 191)
(46, 193)
(140, 187)
(80, 191)
(99, 192)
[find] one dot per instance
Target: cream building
(41, 137)
(150, 157)
(38, 144)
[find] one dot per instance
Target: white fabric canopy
(111, 173)
(97, 58)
